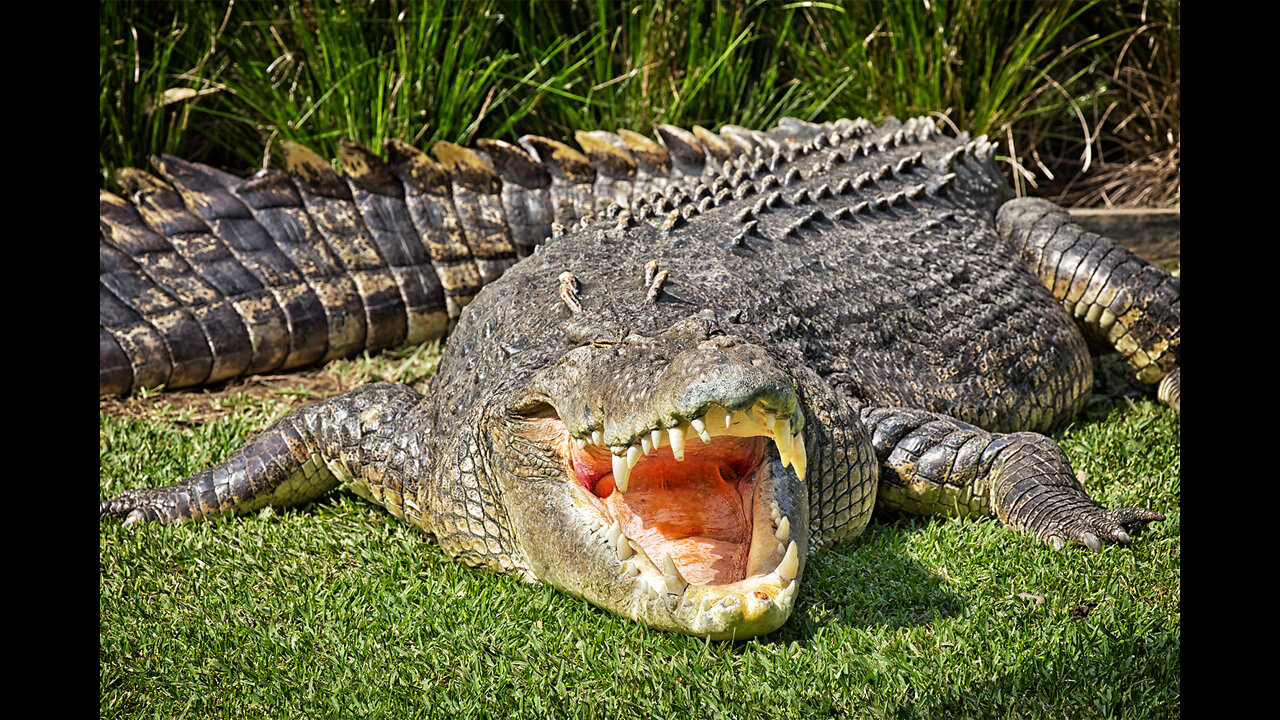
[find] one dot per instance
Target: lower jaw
(736, 611)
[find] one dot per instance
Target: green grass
(338, 609)
(1063, 87)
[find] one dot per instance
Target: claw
(1091, 541)
(1122, 537)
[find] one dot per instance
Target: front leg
(353, 439)
(936, 465)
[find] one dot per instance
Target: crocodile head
(663, 477)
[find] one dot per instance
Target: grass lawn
(338, 609)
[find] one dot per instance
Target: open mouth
(693, 511)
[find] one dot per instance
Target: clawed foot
(1096, 525)
(133, 506)
(1037, 492)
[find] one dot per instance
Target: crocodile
(730, 349)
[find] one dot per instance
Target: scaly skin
(668, 406)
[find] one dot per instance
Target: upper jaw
(757, 419)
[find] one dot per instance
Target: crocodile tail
(1117, 298)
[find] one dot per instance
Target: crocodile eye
(533, 409)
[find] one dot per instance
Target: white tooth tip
(677, 442)
(699, 426)
(581, 443)
(634, 453)
(645, 446)
(624, 548)
(597, 437)
(655, 438)
(800, 458)
(728, 420)
(675, 582)
(790, 564)
(784, 530)
(620, 472)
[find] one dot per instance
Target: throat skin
(698, 509)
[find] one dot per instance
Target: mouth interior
(698, 510)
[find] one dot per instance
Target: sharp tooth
(630, 569)
(783, 599)
(597, 437)
(620, 473)
(728, 419)
(581, 443)
(675, 582)
(622, 547)
(784, 530)
(784, 451)
(634, 453)
(645, 445)
(782, 436)
(613, 532)
(790, 563)
(655, 438)
(799, 459)
(700, 427)
(769, 420)
(677, 442)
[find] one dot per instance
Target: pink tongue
(697, 517)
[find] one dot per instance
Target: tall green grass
(223, 82)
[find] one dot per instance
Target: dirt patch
(210, 403)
